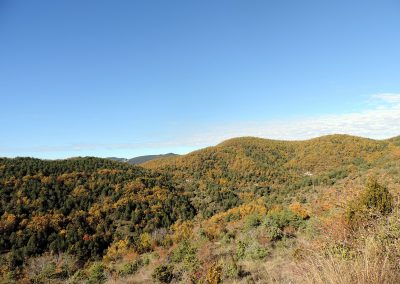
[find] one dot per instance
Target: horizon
(131, 79)
(199, 149)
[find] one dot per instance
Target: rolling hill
(246, 210)
(246, 161)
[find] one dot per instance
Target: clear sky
(126, 78)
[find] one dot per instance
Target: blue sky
(126, 78)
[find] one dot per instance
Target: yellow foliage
(213, 230)
(42, 222)
(79, 191)
(46, 180)
(134, 186)
(7, 221)
(156, 208)
(214, 274)
(116, 250)
(255, 207)
(214, 226)
(298, 209)
(39, 223)
(146, 243)
(182, 230)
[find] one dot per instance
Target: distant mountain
(142, 159)
(118, 159)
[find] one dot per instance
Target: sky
(129, 78)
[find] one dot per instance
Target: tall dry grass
(371, 265)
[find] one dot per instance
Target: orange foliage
(7, 221)
(299, 209)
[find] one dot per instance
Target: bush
(277, 221)
(186, 254)
(145, 243)
(247, 249)
(96, 273)
(131, 268)
(230, 269)
(50, 267)
(253, 221)
(116, 250)
(163, 273)
(46, 274)
(376, 199)
(214, 274)
(241, 249)
(228, 237)
(257, 252)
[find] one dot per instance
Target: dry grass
(370, 266)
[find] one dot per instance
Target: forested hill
(245, 165)
(245, 161)
(94, 219)
(81, 205)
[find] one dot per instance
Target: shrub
(182, 230)
(299, 210)
(247, 249)
(277, 221)
(46, 274)
(257, 252)
(253, 221)
(145, 243)
(96, 273)
(131, 268)
(186, 254)
(116, 250)
(214, 274)
(163, 273)
(241, 249)
(275, 233)
(376, 199)
(48, 267)
(228, 237)
(230, 269)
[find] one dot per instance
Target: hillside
(248, 210)
(237, 156)
(248, 164)
(80, 206)
(142, 159)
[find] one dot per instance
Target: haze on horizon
(131, 78)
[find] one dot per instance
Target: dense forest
(81, 206)
(248, 210)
